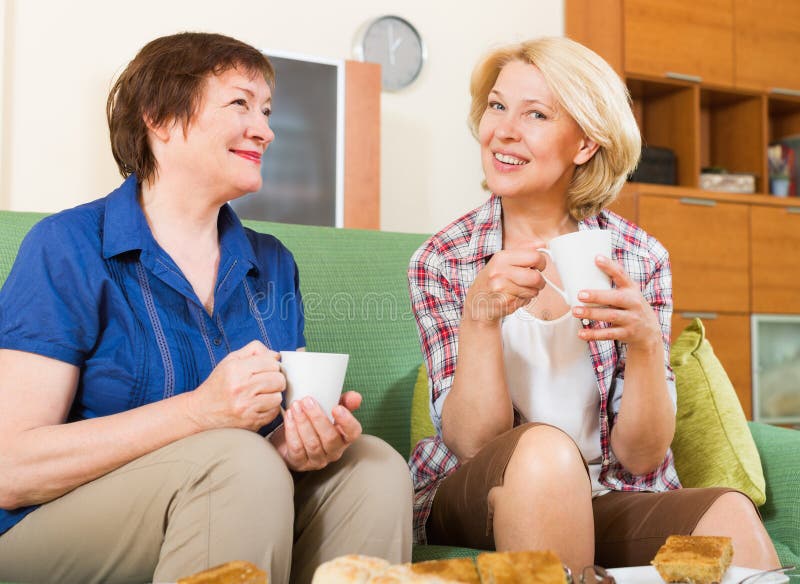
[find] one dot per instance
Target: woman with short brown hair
(139, 379)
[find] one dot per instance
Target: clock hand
(393, 44)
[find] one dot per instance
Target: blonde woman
(554, 423)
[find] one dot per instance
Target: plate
(648, 575)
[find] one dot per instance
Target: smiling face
(529, 144)
(221, 148)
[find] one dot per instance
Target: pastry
(351, 569)
(694, 559)
(455, 570)
(236, 572)
(532, 567)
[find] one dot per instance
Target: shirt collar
(487, 233)
(125, 227)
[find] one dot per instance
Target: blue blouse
(91, 286)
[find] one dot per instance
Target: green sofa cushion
(356, 301)
(779, 449)
(421, 424)
(712, 445)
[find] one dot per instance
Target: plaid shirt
(441, 272)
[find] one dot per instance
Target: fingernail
(577, 311)
(288, 415)
(308, 402)
(583, 296)
(601, 259)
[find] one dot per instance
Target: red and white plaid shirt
(441, 272)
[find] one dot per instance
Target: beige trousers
(210, 498)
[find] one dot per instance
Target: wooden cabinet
(714, 81)
(729, 335)
(766, 44)
(737, 91)
(680, 37)
(775, 269)
(709, 250)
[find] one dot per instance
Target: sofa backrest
(356, 301)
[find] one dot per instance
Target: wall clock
(395, 44)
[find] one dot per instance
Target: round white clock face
(395, 44)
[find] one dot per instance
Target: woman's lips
(250, 155)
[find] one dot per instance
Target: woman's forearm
(646, 421)
(478, 407)
(43, 463)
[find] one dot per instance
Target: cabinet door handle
(700, 315)
(683, 77)
(785, 91)
(793, 210)
(698, 202)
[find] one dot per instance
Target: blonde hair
(589, 90)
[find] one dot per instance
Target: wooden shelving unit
(699, 89)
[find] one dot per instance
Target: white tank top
(550, 377)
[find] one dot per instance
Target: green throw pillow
(713, 446)
(421, 424)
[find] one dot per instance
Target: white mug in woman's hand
(320, 375)
(574, 257)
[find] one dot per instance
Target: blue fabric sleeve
(47, 305)
(301, 319)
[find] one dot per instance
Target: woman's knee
(545, 450)
(380, 470)
(732, 508)
(230, 455)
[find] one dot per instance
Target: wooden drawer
(680, 36)
(708, 249)
(775, 269)
(729, 335)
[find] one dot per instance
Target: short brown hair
(589, 90)
(164, 82)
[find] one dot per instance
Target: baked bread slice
(530, 567)
(694, 559)
(405, 574)
(456, 570)
(351, 569)
(236, 572)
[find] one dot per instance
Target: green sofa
(356, 301)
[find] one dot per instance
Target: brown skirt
(629, 527)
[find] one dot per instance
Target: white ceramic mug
(319, 375)
(574, 257)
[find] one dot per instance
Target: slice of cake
(455, 570)
(236, 572)
(694, 559)
(531, 567)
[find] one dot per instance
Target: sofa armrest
(779, 449)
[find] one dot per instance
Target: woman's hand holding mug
(633, 321)
(509, 281)
(308, 440)
(243, 391)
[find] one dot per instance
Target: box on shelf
(728, 182)
(657, 165)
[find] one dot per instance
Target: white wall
(61, 57)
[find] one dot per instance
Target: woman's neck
(179, 220)
(537, 219)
